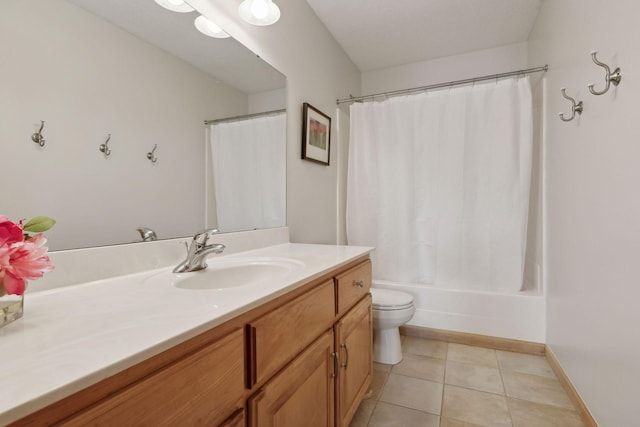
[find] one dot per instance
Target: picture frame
(316, 135)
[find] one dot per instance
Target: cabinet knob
(358, 283)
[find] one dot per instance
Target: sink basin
(233, 273)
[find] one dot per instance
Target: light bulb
(210, 28)
(175, 5)
(213, 26)
(259, 12)
(259, 9)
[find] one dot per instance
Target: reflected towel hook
(575, 108)
(610, 77)
(37, 137)
(104, 148)
(151, 155)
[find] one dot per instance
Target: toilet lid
(384, 299)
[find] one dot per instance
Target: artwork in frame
(316, 135)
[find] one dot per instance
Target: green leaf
(39, 224)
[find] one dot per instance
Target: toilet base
(386, 346)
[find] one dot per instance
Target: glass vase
(11, 308)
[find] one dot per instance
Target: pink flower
(10, 232)
(21, 261)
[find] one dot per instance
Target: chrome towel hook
(104, 148)
(151, 155)
(575, 108)
(37, 137)
(610, 77)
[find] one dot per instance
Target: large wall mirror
(141, 77)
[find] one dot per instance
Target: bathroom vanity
(297, 352)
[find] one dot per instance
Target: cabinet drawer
(278, 336)
(352, 285)
(201, 389)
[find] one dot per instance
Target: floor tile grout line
(407, 407)
(475, 389)
(375, 405)
(417, 378)
(424, 355)
(504, 387)
(444, 381)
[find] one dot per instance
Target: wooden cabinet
(302, 359)
(201, 389)
(302, 394)
(353, 335)
(297, 395)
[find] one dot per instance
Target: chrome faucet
(147, 234)
(198, 251)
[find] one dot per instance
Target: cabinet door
(302, 394)
(354, 347)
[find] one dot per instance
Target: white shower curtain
(439, 183)
(249, 172)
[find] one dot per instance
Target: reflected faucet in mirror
(147, 234)
(198, 251)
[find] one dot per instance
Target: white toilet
(390, 310)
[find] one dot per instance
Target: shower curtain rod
(244, 117)
(441, 85)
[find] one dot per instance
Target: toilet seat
(386, 300)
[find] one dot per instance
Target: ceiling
(385, 33)
(225, 59)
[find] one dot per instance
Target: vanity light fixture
(259, 12)
(209, 28)
(175, 5)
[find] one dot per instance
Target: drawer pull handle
(358, 283)
(346, 350)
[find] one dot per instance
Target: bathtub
(518, 316)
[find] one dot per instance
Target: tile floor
(454, 385)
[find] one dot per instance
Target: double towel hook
(609, 78)
(575, 108)
(37, 137)
(104, 148)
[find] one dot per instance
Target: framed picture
(316, 135)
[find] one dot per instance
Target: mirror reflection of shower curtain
(249, 172)
(439, 183)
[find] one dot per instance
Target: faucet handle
(202, 237)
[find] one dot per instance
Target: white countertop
(73, 337)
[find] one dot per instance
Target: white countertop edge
(37, 402)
